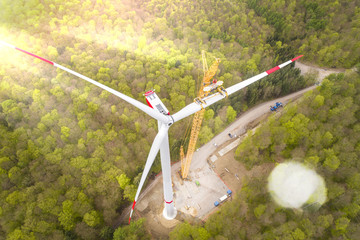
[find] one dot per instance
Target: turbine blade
(149, 162)
(209, 100)
(153, 113)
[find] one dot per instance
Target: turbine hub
(171, 120)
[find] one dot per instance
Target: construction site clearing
(213, 172)
(213, 165)
(209, 181)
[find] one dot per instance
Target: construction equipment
(276, 106)
(206, 87)
(223, 198)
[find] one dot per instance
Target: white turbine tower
(165, 120)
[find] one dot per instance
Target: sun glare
(292, 185)
(11, 58)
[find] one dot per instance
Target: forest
(323, 132)
(71, 155)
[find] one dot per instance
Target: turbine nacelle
(154, 102)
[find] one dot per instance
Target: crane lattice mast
(198, 117)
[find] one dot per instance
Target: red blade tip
(294, 59)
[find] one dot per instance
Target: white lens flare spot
(292, 185)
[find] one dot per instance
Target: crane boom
(195, 129)
(198, 117)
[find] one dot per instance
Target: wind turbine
(165, 120)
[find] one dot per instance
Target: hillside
(71, 155)
(321, 131)
(327, 32)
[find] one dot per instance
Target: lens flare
(292, 185)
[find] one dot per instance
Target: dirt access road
(252, 115)
(321, 72)
(197, 202)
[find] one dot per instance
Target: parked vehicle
(223, 198)
(276, 106)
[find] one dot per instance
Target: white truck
(223, 198)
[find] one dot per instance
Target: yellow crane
(206, 87)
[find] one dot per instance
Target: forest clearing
(202, 165)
